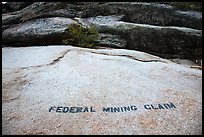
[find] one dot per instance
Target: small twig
(198, 67)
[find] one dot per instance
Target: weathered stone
(70, 90)
(39, 31)
(147, 13)
(38, 10)
(109, 40)
(168, 42)
(136, 12)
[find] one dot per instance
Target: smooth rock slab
(146, 94)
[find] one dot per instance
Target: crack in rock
(59, 58)
(107, 54)
(10, 99)
(51, 63)
(128, 56)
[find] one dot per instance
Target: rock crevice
(51, 63)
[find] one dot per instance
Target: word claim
(110, 109)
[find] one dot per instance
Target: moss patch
(79, 36)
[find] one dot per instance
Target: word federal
(71, 109)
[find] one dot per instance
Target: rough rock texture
(166, 42)
(39, 10)
(155, 28)
(110, 40)
(137, 12)
(36, 78)
(39, 31)
(148, 13)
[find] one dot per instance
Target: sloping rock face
(39, 31)
(148, 13)
(70, 90)
(163, 41)
(159, 29)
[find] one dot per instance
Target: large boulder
(38, 10)
(147, 13)
(69, 90)
(43, 31)
(136, 12)
(168, 42)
